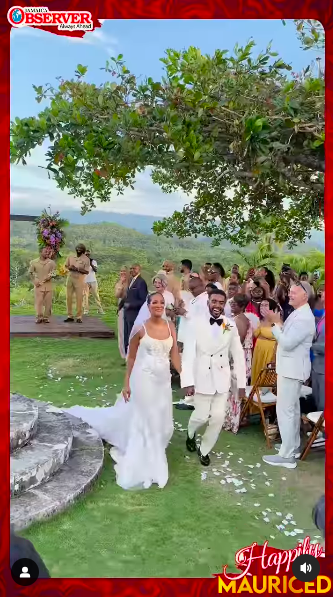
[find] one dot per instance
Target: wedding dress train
(139, 430)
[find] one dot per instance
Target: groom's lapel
(210, 341)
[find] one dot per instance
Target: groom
(209, 340)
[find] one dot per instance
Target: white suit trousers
(209, 409)
(288, 415)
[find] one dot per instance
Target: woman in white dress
(160, 284)
(140, 425)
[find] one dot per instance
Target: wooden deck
(24, 326)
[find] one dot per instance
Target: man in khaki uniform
(41, 271)
(78, 267)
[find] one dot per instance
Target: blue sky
(38, 57)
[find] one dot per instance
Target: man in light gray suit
(293, 367)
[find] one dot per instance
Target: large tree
(240, 134)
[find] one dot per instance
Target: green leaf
(81, 69)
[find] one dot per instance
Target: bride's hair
(151, 295)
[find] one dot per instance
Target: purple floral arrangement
(50, 232)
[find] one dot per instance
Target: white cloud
(97, 38)
(30, 186)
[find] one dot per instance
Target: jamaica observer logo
(42, 16)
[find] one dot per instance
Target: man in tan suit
(42, 271)
(78, 267)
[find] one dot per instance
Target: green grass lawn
(190, 528)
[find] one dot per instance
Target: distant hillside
(144, 225)
(115, 245)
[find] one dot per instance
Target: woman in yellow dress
(265, 347)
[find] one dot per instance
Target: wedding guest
(318, 514)
(265, 346)
(120, 293)
(233, 289)
(244, 327)
(204, 273)
(293, 367)
(287, 276)
(42, 271)
(220, 276)
(256, 294)
(91, 286)
(234, 273)
(23, 549)
(78, 267)
(174, 284)
(196, 306)
(304, 277)
(319, 303)
(210, 287)
(185, 269)
(267, 275)
(135, 297)
(318, 360)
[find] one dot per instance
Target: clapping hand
(273, 317)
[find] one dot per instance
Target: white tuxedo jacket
(205, 359)
(294, 342)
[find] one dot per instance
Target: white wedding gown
(139, 430)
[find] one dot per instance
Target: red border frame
(151, 9)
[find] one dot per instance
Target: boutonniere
(226, 327)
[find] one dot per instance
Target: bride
(140, 424)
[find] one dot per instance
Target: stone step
(44, 454)
(23, 420)
(72, 479)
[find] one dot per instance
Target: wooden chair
(317, 420)
(258, 400)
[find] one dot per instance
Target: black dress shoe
(69, 320)
(205, 460)
(79, 321)
(183, 406)
(191, 444)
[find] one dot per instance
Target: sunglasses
(298, 283)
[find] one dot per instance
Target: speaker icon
(305, 568)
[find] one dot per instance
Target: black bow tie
(218, 321)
